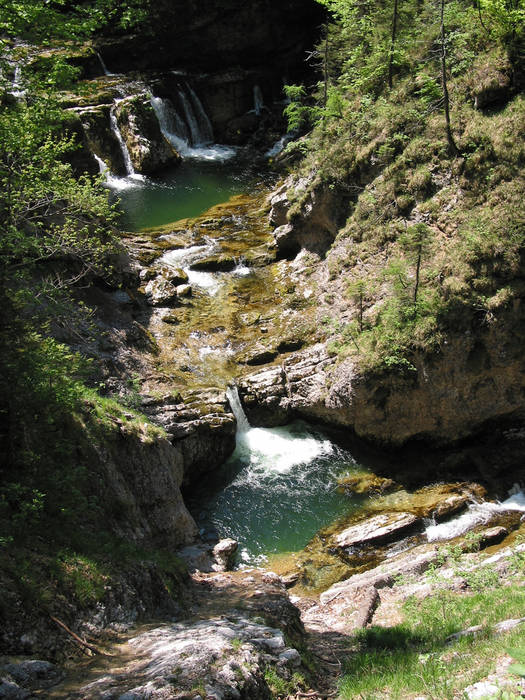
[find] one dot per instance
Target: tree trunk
(392, 46)
(451, 143)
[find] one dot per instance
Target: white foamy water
(272, 449)
(182, 256)
(242, 270)
(476, 514)
(205, 280)
(276, 450)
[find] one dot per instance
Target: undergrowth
(434, 240)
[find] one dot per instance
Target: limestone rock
(224, 554)
(222, 263)
(33, 674)
(202, 427)
(184, 290)
(226, 657)
(148, 149)
(160, 292)
(380, 528)
(279, 207)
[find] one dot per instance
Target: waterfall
(102, 167)
(190, 117)
(130, 170)
(205, 127)
(103, 65)
(232, 394)
(17, 90)
(190, 131)
(171, 125)
(258, 101)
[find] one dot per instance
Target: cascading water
(204, 125)
(258, 100)
(277, 489)
(172, 126)
(476, 514)
(103, 65)
(191, 119)
(128, 164)
(232, 394)
(192, 137)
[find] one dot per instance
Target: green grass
(413, 658)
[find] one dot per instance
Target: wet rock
(184, 290)
(148, 149)
(378, 529)
(290, 579)
(160, 292)
(224, 554)
(100, 138)
(223, 263)
(365, 484)
(259, 355)
(171, 317)
(492, 535)
(33, 674)
(175, 275)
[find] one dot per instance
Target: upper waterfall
(130, 170)
(189, 130)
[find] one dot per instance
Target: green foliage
(519, 656)
(59, 19)
(299, 114)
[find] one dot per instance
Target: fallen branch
(84, 645)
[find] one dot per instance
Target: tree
(443, 60)
(392, 44)
(416, 242)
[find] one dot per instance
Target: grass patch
(414, 658)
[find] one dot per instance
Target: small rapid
(475, 515)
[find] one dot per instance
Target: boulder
(160, 292)
(224, 554)
(223, 263)
(279, 207)
(148, 149)
(378, 529)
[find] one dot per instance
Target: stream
(280, 486)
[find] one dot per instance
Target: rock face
(141, 479)
(251, 34)
(148, 149)
(202, 428)
(311, 226)
(451, 395)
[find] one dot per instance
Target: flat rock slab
(380, 528)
